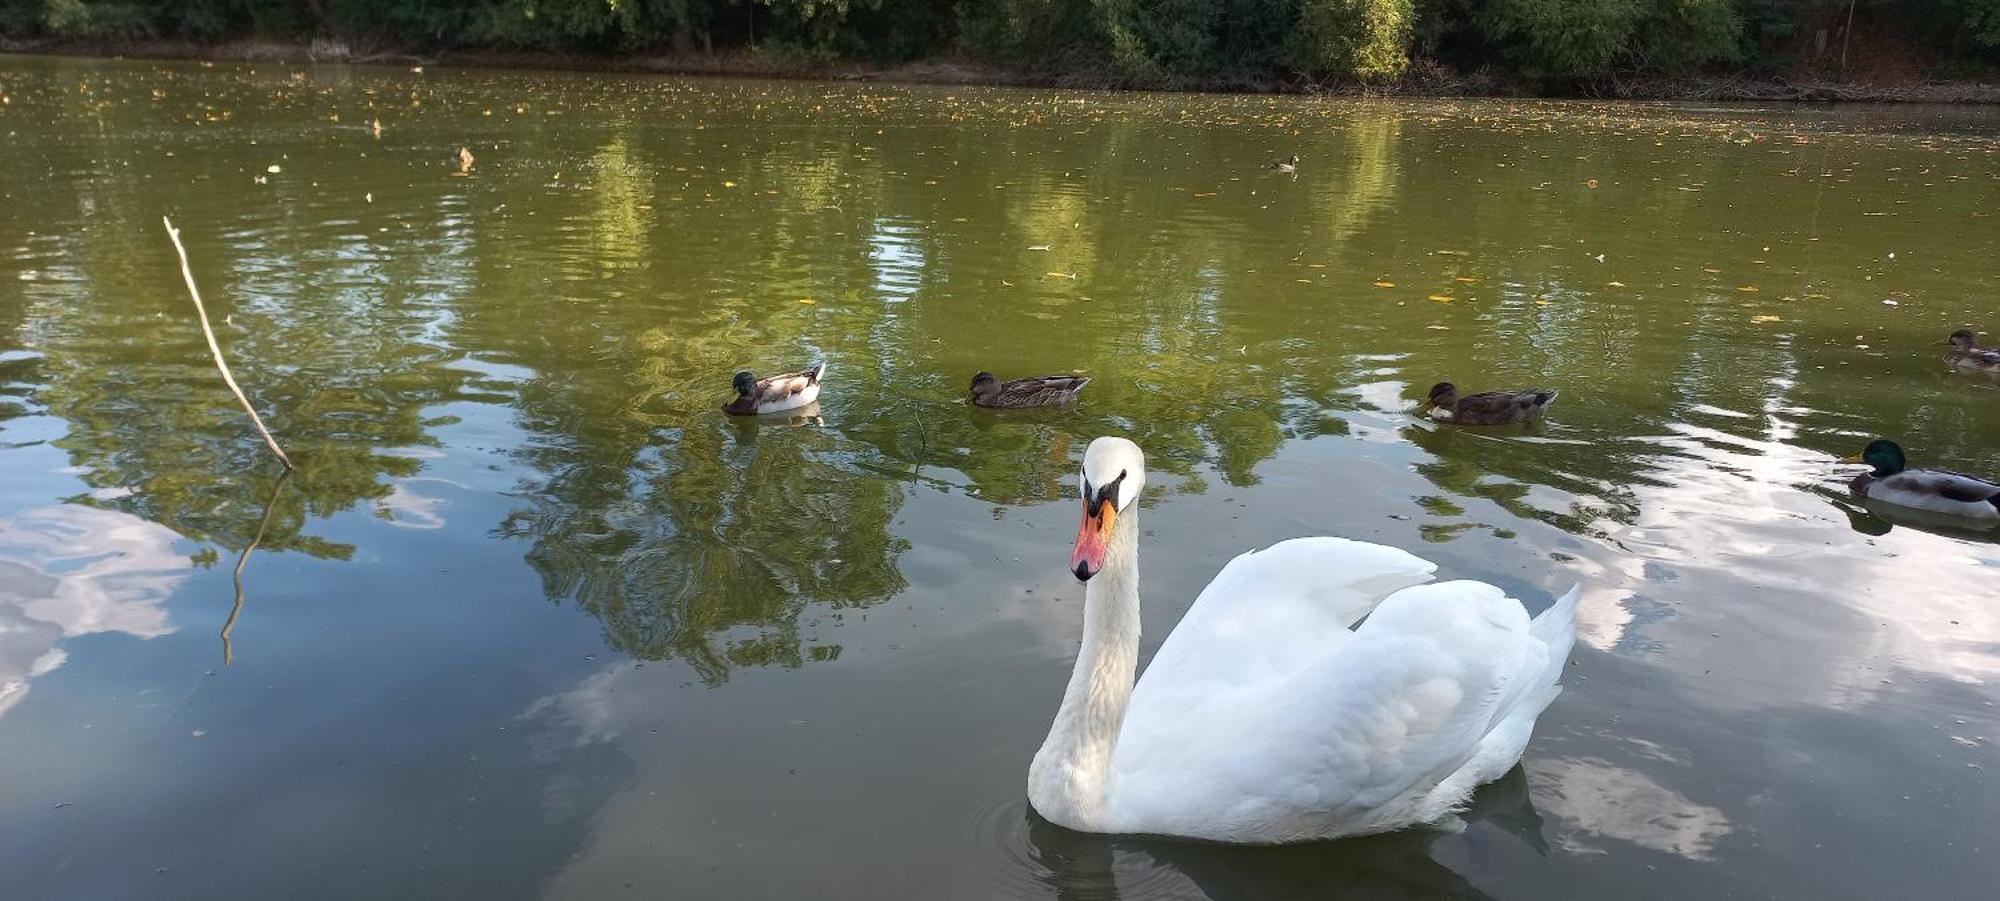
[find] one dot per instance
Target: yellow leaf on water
(1614, 284)
(1384, 283)
(1747, 289)
(729, 184)
(1438, 328)
(1441, 298)
(1466, 279)
(1765, 318)
(1710, 271)
(1303, 281)
(807, 300)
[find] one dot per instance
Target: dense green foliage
(1162, 42)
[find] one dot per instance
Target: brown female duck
(1486, 407)
(1965, 353)
(1014, 394)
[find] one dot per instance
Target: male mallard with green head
(1486, 407)
(1932, 490)
(785, 391)
(1014, 394)
(1965, 353)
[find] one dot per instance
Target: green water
(533, 619)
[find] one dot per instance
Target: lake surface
(534, 620)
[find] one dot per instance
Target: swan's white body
(1269, 716)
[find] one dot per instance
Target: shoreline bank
(1423, 81)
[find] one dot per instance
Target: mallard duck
(1965, 353)
(1932, 490)
(1014, 394)
(786, 391)
(1288, 165)
(1486, 407)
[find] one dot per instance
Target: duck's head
(745, 383)
(1443, 394)
(1293, 159)
(1882, 454)
(1114, 471)
(985, 383)
(1962, 339)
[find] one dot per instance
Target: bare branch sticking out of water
(216, 349)
(270, 507)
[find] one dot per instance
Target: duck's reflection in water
(1077, 866)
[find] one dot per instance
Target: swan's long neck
(1071, 774)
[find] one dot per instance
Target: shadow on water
(1083, 867)
(1873, 517)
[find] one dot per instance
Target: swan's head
(1114, 471)
(745, 383)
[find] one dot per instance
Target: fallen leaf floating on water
(807, 300)
(1466, 279)
(273, 169)
(1765, 317)
(1441, 298)
(1591, 183)
(1889, 302)
(1438, 328)
(1039, 247)
(729, 184)
(1068, 275)
(1384, 283)
(1747, 289)
(1614, 284)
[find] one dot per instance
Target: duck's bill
(1087, 559)
(1852, 458)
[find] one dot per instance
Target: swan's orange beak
(1091, 538)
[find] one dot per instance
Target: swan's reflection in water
(1077, 866)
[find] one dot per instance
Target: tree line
(1137, 42)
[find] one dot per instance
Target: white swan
(1268, 715)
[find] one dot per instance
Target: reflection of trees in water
(660, 236)
(1495, 465)
(709, 550)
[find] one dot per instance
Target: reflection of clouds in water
(1733, 509)
(67, 571)
(1607, 801)
(589, 708)
(405, 507)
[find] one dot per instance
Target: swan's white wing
(1357, 741)
(1273, 612)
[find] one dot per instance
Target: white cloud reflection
(1607, 801)
(69, 570)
